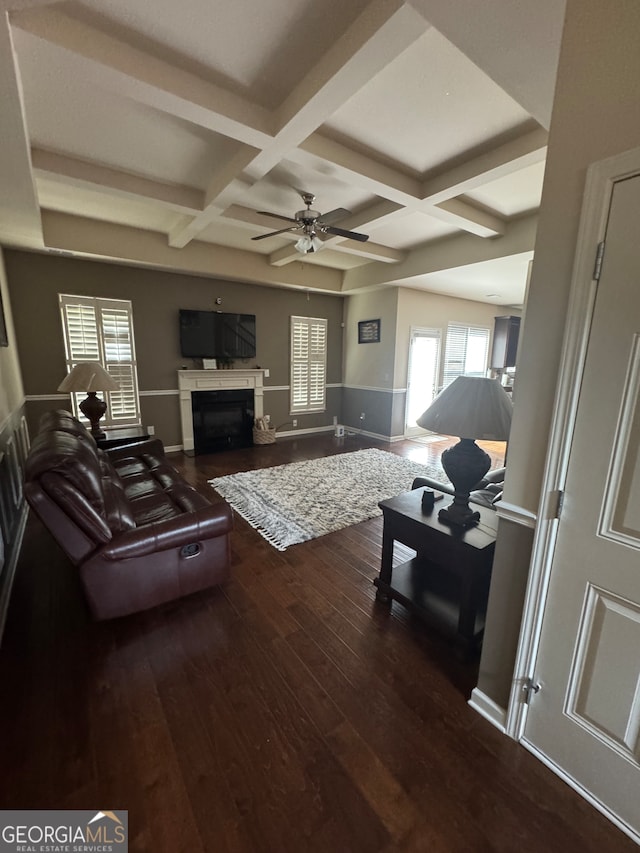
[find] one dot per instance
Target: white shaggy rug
(292, 503)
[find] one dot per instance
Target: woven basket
(264, 436)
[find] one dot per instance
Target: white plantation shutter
(308, 364)
(102, 330)
(466, 352)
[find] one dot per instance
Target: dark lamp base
(465, 464)
(94, 408)
(460, 516)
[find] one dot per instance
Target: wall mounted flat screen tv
(214, 334)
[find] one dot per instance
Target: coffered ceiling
(152, 133)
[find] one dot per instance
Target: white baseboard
(587, 795)
(10, 569)
(292, 433)
(491, 711)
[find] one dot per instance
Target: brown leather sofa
(139, 534)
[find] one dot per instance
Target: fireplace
(222, 419)
(191, 382)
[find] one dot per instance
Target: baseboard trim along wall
(487, 708)
(587, 795)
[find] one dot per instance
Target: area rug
(292, 503)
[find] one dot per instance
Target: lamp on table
(90, 376)
(470, 408)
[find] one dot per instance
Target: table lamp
(90, 376)
(471, 408)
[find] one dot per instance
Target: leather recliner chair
(139, 534)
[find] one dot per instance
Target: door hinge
(556, 510)
(597, 267)
(530, 688)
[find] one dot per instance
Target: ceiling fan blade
(273, 233)
(340, 232)
(276, 215)
(335, 215)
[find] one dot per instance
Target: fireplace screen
(222, 420)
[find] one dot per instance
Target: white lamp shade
(471, 407)
(88, 376)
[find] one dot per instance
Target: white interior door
(586, 718)
(422, 376)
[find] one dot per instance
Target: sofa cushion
(72, 458)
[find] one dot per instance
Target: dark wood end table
(447, 582)
(119, 436)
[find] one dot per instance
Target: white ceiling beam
(84, 236)
(383, 31)
(467, 217)
(371, 251)
(525, 150)
(327, 155)
(436, 196)
(368, 174)
(458, 251)
(122, 68)
(220, 192)
(19, 211)
(379, 35)
(73, 172)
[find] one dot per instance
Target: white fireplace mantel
(215, 380)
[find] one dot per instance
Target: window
(102, 330)
(466, 352)
(308, 364)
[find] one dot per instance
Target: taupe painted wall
(11, 391)
(595, 116)
(376, 374)
(35, 280)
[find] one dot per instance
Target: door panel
(422, 376)
(586, 717)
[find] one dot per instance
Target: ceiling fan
(311, 222)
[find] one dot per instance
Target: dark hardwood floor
(284, 713)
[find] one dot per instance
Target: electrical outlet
(361, 416)
(294, 422)
(151, 430)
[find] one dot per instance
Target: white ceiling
(152, 132)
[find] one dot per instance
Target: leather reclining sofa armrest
(430, 483)
(186, 529)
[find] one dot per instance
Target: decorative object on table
(471, 408)
(288, 504)
(263, 432)
(428, 500)
(369, 332)
(90, 376)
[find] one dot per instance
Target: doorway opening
(422, 376)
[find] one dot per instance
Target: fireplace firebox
(222, 419)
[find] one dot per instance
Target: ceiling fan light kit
(310, 222)
(308, 243)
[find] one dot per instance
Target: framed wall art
(369, 332)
